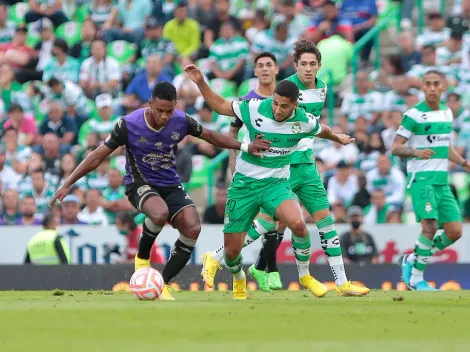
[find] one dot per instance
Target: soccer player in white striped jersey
(427, 129)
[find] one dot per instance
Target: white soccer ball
(146, 284)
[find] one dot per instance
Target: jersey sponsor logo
(175, 136)
(258, 122)
(431, 139)
(143, 140)
(142, 189)
(154, 158)
(278, 151)
(424, 116)
(158, 144)
(166, 166)
(296, 128)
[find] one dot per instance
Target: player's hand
(258, 146)
(344, 139)
(59, 195)
(424, 153)
(466, 166)
(194, 73)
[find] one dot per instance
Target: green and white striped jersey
(312, 101)
(443, 55)
(356, 105)
(430, 37)
(462, 117)
(266, 41)
(227, 53)
(394, 102)
(426, 128)
(257, 115)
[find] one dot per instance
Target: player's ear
(277, 70)
(319, 65)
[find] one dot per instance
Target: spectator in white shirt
(334, 153)
(8, 177)
(391, 122)
(99, 73)
(436, 34)
(343, 185)
(389, 179)
(93, 213)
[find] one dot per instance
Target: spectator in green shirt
(155, 44)
(8, 86)
(82, 49)
(115, 195)
(62, 66)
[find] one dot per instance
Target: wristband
(244, 147)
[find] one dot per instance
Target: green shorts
(434, 202)
(244, 201)
(306, 183)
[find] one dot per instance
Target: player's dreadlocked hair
(164, 91)
(304, 47)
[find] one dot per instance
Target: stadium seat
(122, 51)
(247, 86)
(223, 87)
(17, 12)
(71, 32)
(32, 37)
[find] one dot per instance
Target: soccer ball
(146, 284)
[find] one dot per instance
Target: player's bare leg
(290, 213)
(233, 243)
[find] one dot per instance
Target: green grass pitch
(211, 321)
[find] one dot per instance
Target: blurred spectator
(245, 9)
(374, 148)
(277, 42)
(393, 216)
(7, 29)
(335, 153)
(93, 213)
(34, 162)
(337, 65)
(358, 246)
(388, 71)
(139, 91)
(11, 201)
(215, 213)
(297, 21)
(70, 209)
(359, 131)
(364, 102)
(99, 73)
(258, 25)
(8, 177)
(451, 53)
(394, 100)
(40, 191)
(389, 179)
(72, 96)
(114, 196)
(17, 155)
(229, 54)
(131, 14)
(343, 185)
(50, 151)
(461, 115)
(28, 212)
(67, 166)
(363, 15)
(409, 56)
(376, 212)
(25, 125)
(183, 31)
(105, 121)
(202, 13)
(82, 49)
(155, 44)
(100, 11)
(462, 145)
(51, 9)
(99, 178)
(338, 212)
(61, 66)
(59, 123)
(16, 53)
(8, 86)
(329, 24)
(362, 197)
(436, 33)
(44, 47)
(186, 89)
(391, 122)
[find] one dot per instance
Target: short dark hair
(164, 91)
(329, 3)
(11, 128)
(39, 169)
(127, 218)
(454, 94)
(47, 220)
(62, 44)
(436, 72)
(265, 54)
(15, 108)
(304, 47)
(432, 47)
(287, 89)
(456, 36)
(53, 82)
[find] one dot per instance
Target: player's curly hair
(164, 91)
(304, 47)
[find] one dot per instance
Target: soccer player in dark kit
(152, 184)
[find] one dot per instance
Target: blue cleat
(405, 270)
(424, 286)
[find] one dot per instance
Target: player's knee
(159, 218)
(298, 228)
(231, 252)
(193, 231)
(455, 233)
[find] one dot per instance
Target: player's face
(432, 86)
(266, 70)
(161, 110)
(283, 107)
(307, 67)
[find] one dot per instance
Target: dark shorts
(175, 197)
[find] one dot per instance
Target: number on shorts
(231, 204)
(426, 194)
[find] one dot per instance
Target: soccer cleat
(209, 269)
(260, 277)
(348, 289)
(316, 287)
(406, 269)
(141, 263)
(423, 286)
(274, 280)
(239, 289)
(166, 294)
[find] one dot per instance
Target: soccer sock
(439, 242)
(260, 227)
(150, 232)
(235, 267)
(332, 248)
(269, 250)
(280, 237)
(422, 254)
(179, 255)
(218, 254)
(302, 252)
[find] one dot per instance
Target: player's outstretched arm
(91, 162)
(455, 157)
(399, 149)
(256, 147)
(215, 101)
(328, 133)
(233, 133)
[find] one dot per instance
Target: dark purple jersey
(236, 122)
(150, 154)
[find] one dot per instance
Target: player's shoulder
(416, 111)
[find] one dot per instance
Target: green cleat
(274, 280)
(260, 277)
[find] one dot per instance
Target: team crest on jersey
(323, 94)
(296, 127)
(175, 136)
(226, 220)
(143, 140)
(158, 144)
(428, 207)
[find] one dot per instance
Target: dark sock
(280, 236)
(146, 241)
(260, 263)
(270, 247)
(179, 256)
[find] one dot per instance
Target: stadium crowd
(69, 69)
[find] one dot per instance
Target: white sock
(416, 276)
(411, 259)
(302, 268)
(337, 268)
(218, 254)
(240, 275)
